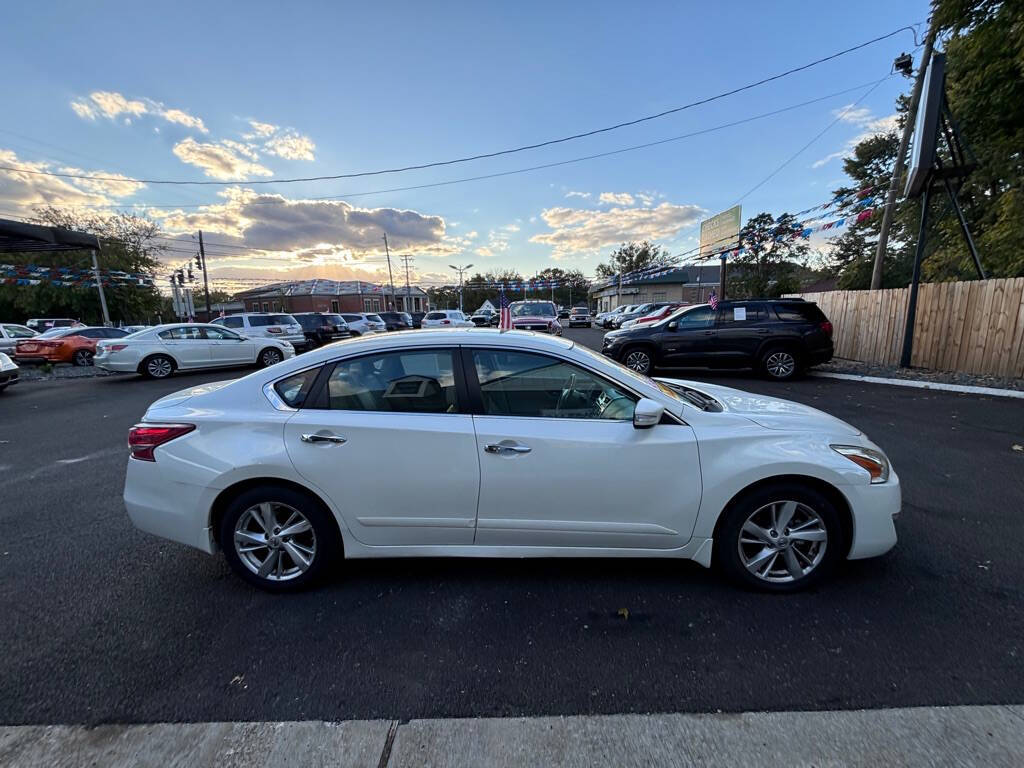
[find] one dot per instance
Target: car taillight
(446, 322)
(143, 439)
(273, 330)
(826, 326)
(115, 347)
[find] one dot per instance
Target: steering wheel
(564, 397)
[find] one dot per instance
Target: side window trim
(317, 397)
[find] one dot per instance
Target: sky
(262, 92)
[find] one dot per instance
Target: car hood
(6, 364)
(772, 412)
(179, 397)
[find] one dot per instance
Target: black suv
(396, 321)
(321, 327)
(780, 337)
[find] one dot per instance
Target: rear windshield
(802, 312)
(257, 321)
(436, 316)
(334, 319)
(374, 318)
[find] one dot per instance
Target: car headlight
(873, 461)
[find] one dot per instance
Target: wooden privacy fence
(974, 326)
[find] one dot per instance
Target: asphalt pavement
(101, 623)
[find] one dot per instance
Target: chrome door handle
(323, 439)
(507, 446)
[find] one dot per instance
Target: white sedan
(160, 351)
(512, 445)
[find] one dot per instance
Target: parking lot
(105, 624)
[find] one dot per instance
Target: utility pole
(721, 279)
(206, 282)
(408, 289)
(99, 285)
(901, 158)
(460, 270)
(390, 278)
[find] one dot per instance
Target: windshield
(533, 309)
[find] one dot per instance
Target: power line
(543, 166)
(498, 153)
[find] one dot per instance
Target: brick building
(691, 284)
(331, 296)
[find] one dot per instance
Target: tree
(129, 244)
(630, 257)
(773, 255)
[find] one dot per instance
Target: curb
(918, 384)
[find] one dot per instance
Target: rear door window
(738, 315)
(414, 381)
(799, 313)
(232, 322)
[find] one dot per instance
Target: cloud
(575, 231)
(869, 124)
(497, 241)
(615, 198)
(20, 190)
(218, 161)
(291, 146)
(111, 104)
(261, 130)
(574, 193)
(304, 230)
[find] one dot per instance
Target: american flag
(713, 300)
(505, 321)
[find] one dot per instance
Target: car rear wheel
(278, 538)
(82, 357)
(639, 359)
(780, 538)
(157, 367)
(270, 356)
(780, 364)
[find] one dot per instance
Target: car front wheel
(277, 538)
(780, 538)
(639, 359)
(270, 356)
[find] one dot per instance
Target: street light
(460, 270)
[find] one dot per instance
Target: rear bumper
(160, 505)
(818, 356)
(117, 366)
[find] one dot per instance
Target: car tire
(270, 356)
(767, 559)
(639, 359)
(157, 367)
(355, 333)
(82, 358)
(780, 364)
(312, 343)
(291, 562)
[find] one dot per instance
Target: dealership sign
(720, 233)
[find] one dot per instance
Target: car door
(387, 438)
(561, 464)
(740, 330)
(229, 348)
(188, 346)
(689, 339)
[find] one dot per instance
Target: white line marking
(918, 384)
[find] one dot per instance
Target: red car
(661, 313)
(535, 316)
(64, 345)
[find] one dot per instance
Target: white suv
(269, 326)
(446, 318)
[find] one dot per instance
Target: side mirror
(647, 413)
(674, 325)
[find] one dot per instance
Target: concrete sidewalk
(925, 736)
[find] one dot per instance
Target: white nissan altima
(487, 444)
(160, 351)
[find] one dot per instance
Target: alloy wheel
(780, 364)
(159, 367)
(782, 541)
(275, 541)
(271, 357)
(638, 361)
(83, 357)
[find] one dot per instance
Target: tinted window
(334, 319)
(352, 318)
(92, 333)
(188, 332)
(259, 321)
(294, 389)
(308, 321)
(799, 313)
(421, 381)
(232, 322)
(116, 333)
(524, 384)
(741, 315)
(374, 318)
(701, 317)
(435, 316)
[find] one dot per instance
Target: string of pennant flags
(67, 277)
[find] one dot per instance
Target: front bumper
(873, 509)
(9, 375)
